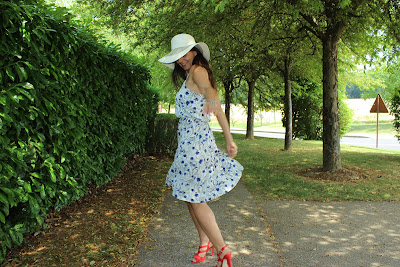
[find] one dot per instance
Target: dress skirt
(200, 171)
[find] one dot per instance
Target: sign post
(378, 107)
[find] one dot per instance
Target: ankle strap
(220, 252)
(205, 246)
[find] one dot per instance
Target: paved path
(174, 238)
(336, 233)
(280, 233)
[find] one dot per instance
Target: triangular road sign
(379, 106)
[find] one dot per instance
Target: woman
(200, 171)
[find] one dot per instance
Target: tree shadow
(335, 233)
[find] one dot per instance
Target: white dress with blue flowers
(200, 171)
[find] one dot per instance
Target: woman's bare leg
(203, 237)
(205, 219)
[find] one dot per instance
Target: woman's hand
(232, 149)
(211, 107)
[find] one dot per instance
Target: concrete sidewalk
(174, 240)
(336, 233)
(280, 233)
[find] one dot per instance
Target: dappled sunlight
(243, 251)
(239, 219)
(75, 236)
(36, 251)
(393, 233)
(251, 228)
(114, 189)
(245, 212)
(109, 213)
(315, 233)
(92, 247)
(288, 244)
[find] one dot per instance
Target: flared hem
(193, 200)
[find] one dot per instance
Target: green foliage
(395, 110)
(71, 109)
(307, 111)
(163, 137)
(393, 85)
(345, 117)
(353, 91)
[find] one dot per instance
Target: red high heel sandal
(227, 257)
(203, 249)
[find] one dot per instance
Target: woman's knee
(198, 206)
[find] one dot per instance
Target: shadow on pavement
(173, 240)
(336, 233)
(280, 233)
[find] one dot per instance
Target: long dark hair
(198, 60)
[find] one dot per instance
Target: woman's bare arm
(213, 105)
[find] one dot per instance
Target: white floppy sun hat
(181, 44)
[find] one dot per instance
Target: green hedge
(71, 110)
(163, 135)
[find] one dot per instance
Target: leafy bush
(307, 111)
(163, 135)
(345, 117)
(71, 109)
(395, 111)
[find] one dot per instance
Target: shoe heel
(228, 258)
(226, 261)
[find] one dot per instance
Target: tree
(291, 45)
(231, 34)
(353, 23)
(249, 39)
(327, 20)
(393, 84)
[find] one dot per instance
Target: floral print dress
(200, 171)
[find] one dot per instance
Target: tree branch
(314, 26)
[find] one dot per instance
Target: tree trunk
(331, 132)
(250, 110)
(288, 106)
(228, 90)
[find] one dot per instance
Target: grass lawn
(271, 173)
(385, 127)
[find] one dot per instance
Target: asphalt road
(366, 140)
